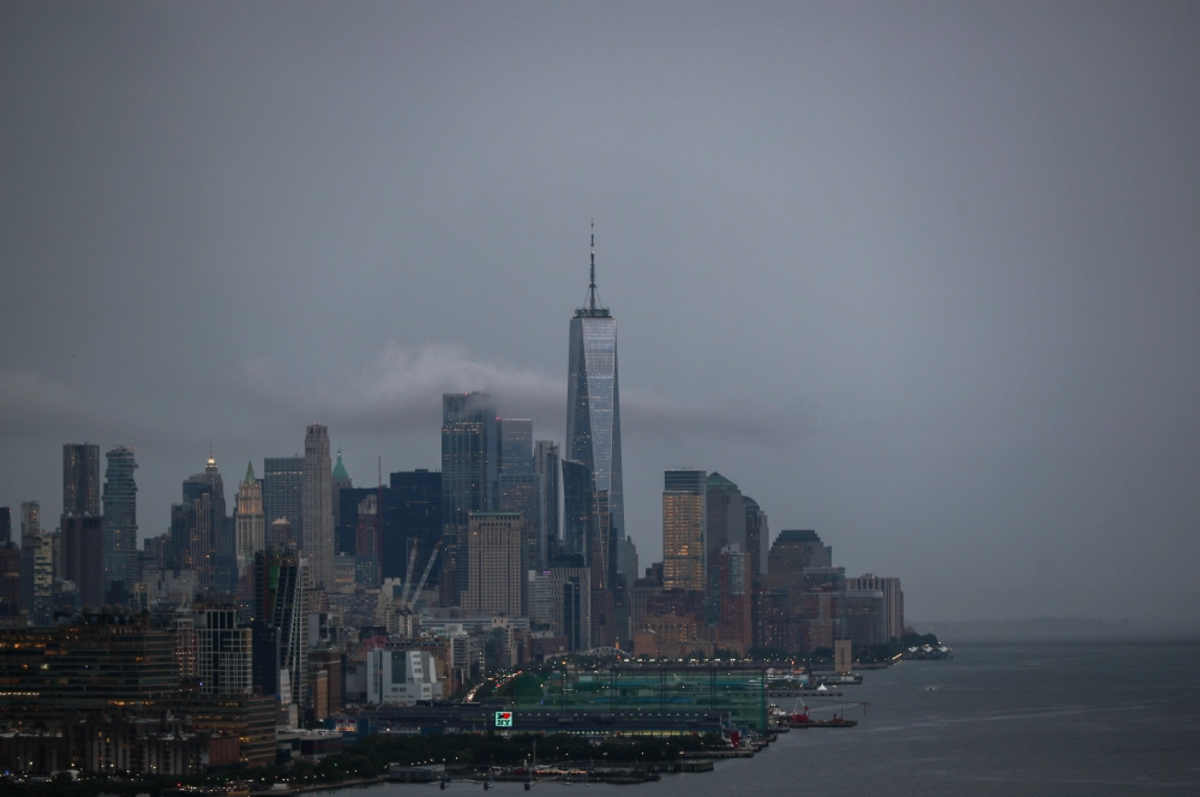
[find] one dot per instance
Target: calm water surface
(1056, 719)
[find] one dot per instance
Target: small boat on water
(802, 720)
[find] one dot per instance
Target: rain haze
(923, 277)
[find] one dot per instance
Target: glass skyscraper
(594, 414)
(470, 481)
(120, 518)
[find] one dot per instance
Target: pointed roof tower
(339, 470)
(249, 473)
(593, 308)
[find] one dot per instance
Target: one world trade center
(593, 435)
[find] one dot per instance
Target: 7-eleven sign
(504, 719)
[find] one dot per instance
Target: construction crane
(407, 601)
(412, 560)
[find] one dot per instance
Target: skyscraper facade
(579, 509)
(83, 556)
(725, 524)
(516, 445)
(412, 511)
(758, 539)
(120, 518)
(494, 563)
(341, 481)
(547, 468)
(283, 491)
(31, 518)
(81, 479)
(249, 520)
(594, 414)
(279, 601)
(470, 480)
(317, 527)
(684, 520)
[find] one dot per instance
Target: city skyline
(921, 279)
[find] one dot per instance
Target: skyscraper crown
(593, 309)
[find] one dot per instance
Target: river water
(1000, 719)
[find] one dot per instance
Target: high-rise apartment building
(37, 576)
(317, 527)
(470, 480)
(81, 479)
(594, 417)
(225, 650)
(120, 519)
(684, 519)
(280, 602)
(494, 564)
(31, 518)
(249, 521)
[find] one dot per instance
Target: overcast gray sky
(924, 277)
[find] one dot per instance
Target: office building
(494, 564)
(579, 510)
(684, 519)
(570, 599)
(864, 617)
(94, 661)
(470, 481)
(594, 417)
(519, 493)
(120, 519)
(225, 650)
(516, 445)
(198, 528)
(283, 491)
(83, 556)
(412, 511)
(5, 525)
(367, 542)
(725, 524)
(401, 677)
(316, 534)
(340, 479)
(249, 521)
(758, 539)
(81, 479)
(735, 599)
(547, 467)
(893, 600)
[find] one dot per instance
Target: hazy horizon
(924, 278)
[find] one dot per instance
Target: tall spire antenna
(592, 284)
